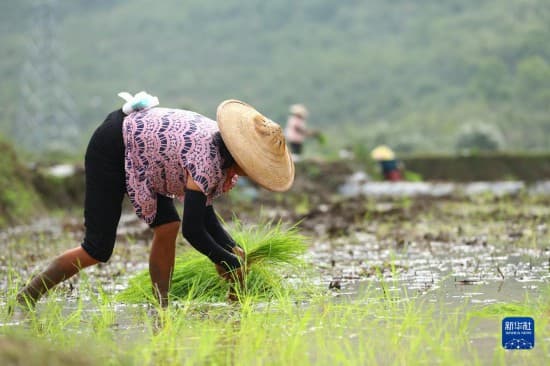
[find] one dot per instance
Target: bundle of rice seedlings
(273, 252)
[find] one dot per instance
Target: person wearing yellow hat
(391, 170)
(154, 155)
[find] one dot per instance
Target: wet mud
(483, 237)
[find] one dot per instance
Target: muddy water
(441, 244)
(453, 277)
(345, 248)
(444, 248)
(346, 264)
(482, 273)
(357, 184)
(29, 248)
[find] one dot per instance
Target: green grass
(366, 329)
(273, 253)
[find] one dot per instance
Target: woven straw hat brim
(299, 110)
(382, 152)
(257, 144)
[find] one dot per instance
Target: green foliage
(267, 244)
(271, 250)
(411, 176)
(14, 350)
(407, 66)
(18, 199)
(479, 137)
(504, 309)
(321, 138)
(361, 151)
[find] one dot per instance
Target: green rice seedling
(272, 251)
(271, 244)
(18, 349)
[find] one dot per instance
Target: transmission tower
(47, 118)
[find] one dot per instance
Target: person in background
(389, 165)
(155, 154)
(296, 130)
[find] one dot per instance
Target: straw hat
(257, 144)
(382, 152)
(299, 109)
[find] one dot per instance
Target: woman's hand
(232, 276)
(235, 279)
(237, 273)
(239, 252)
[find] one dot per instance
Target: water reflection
(355, 187)
(483, 273)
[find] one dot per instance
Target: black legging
(106, 187)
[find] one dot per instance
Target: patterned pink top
(162, 147)
(295, 129)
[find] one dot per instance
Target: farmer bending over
(155, 154)
(296, 130)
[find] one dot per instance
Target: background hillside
(411, 73)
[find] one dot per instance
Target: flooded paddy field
(411, 278)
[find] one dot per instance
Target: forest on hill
(413, 74)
